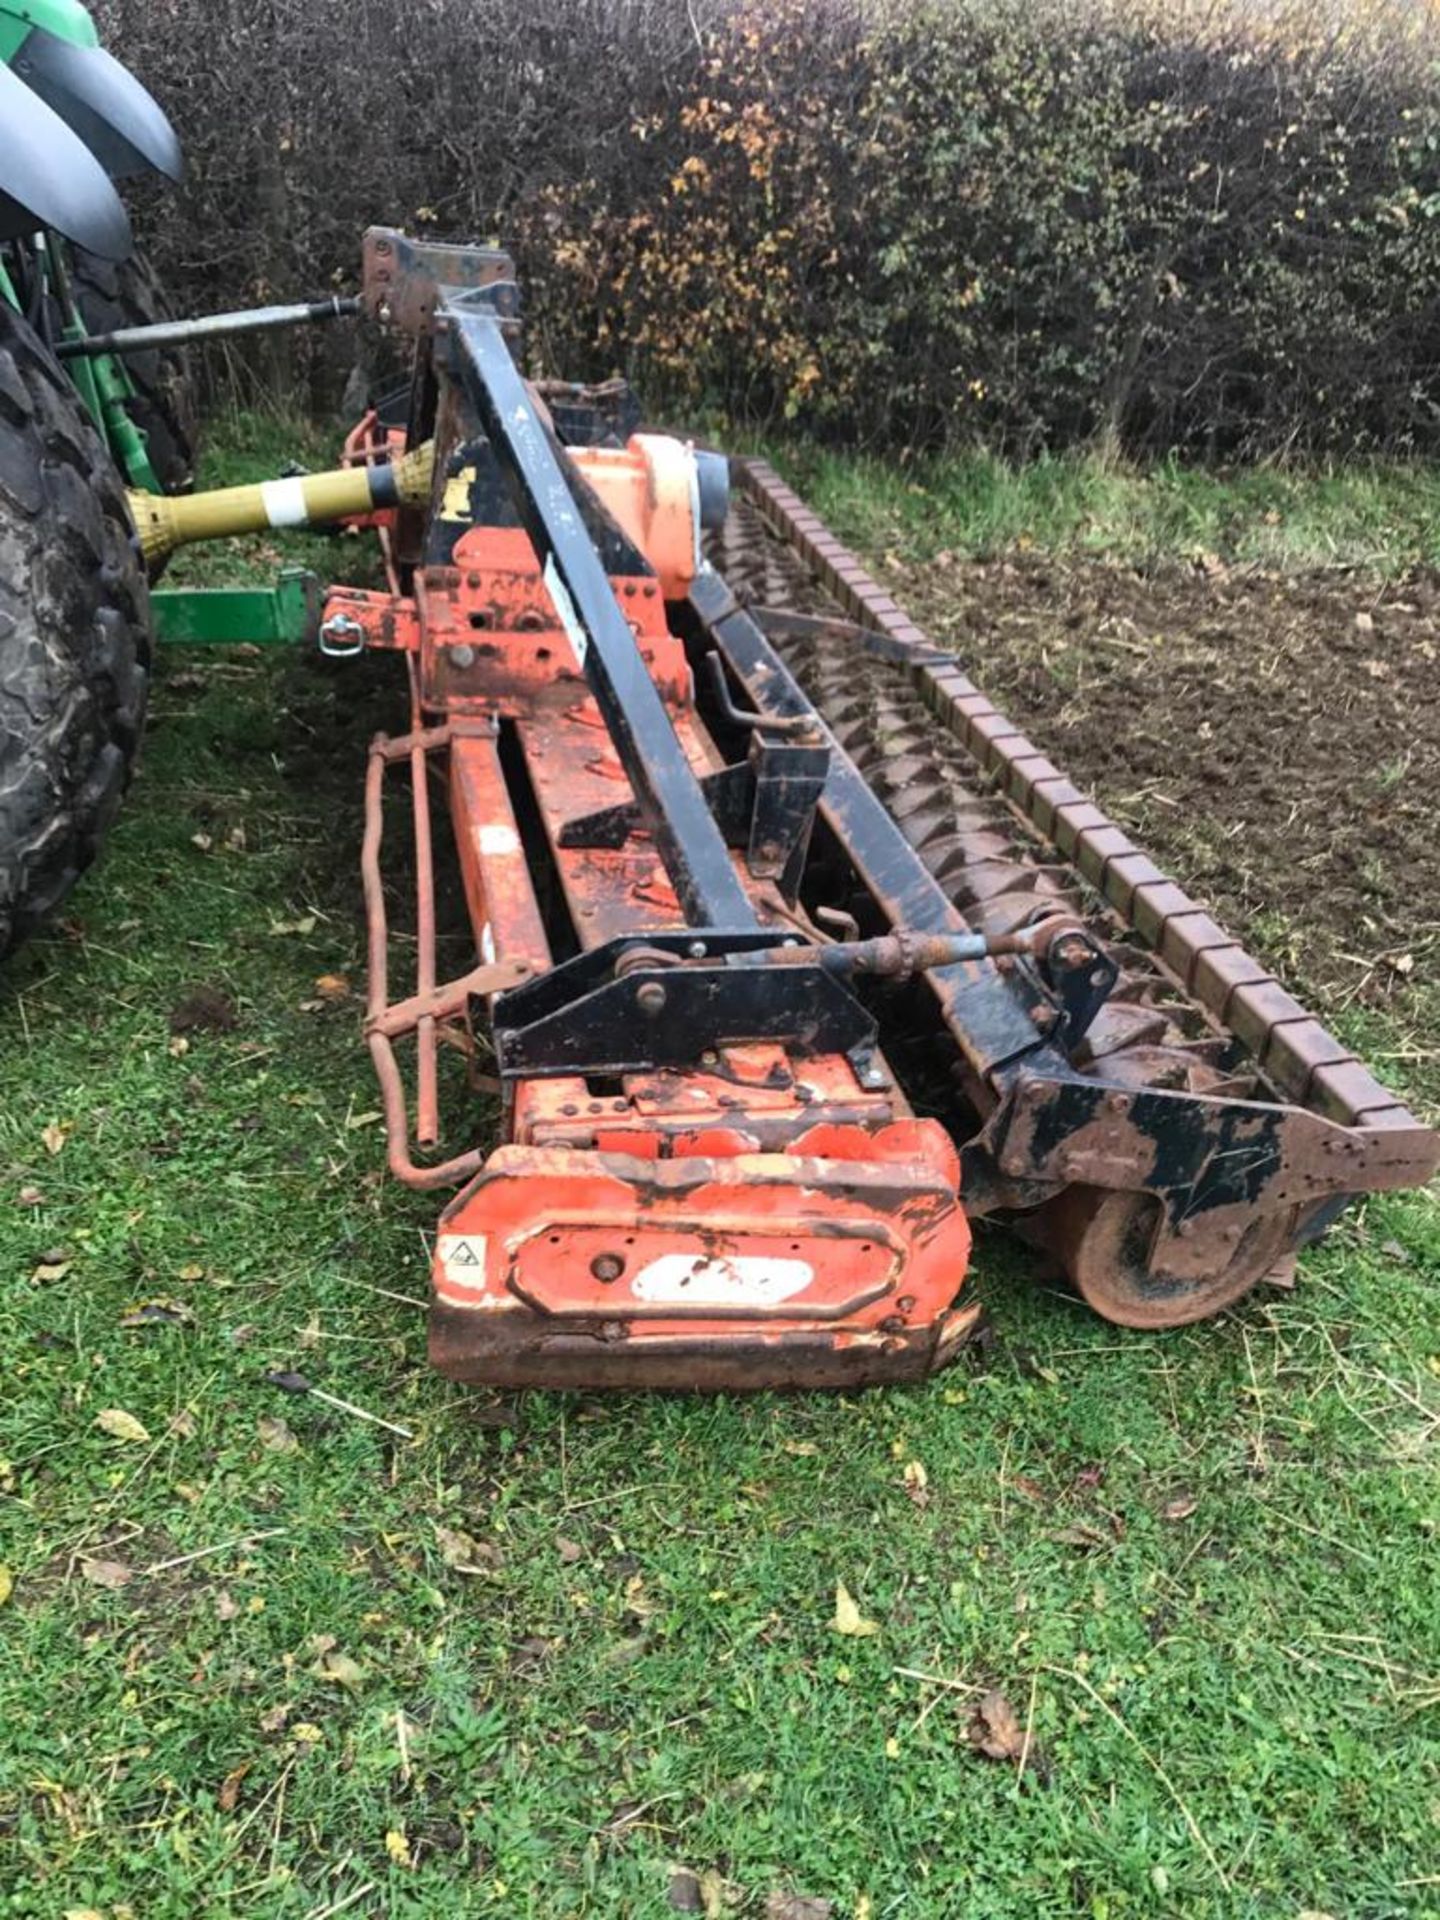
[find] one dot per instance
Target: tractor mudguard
(49, 178)
(121, 123)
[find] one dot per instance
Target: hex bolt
(463, 656)
(650, 997)
(696, 949)
(608, 1266)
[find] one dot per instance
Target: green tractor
(76, 430)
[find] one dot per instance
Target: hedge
(906, 225)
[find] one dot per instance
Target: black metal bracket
(678, 997)
(765, 804)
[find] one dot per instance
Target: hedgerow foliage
(905, 223)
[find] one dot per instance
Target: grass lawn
(549, 1656)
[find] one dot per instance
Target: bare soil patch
(1274, 741)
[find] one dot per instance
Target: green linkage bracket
(284, 615)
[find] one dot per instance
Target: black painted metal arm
(672, 803)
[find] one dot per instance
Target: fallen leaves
(276, 1434)
(338, 1669)
(917, 1483)
(398, 1847)
(54, 1136)
(1180, 1508)
(7, 1584)
(994, 1729)
(229, 1795)
(798, 1906)
(301, 927)
(157, 1313)
(848, 1618)
(50, 1267)
(464, 1554)
(333, 987)
(121, 1425)
(110, 1574)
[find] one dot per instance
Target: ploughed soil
(1273, 742)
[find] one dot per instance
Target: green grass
(1201, 1566)
(1383, 518)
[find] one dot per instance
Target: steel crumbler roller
(794, 954)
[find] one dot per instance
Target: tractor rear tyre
(164, 407)
(74, 635)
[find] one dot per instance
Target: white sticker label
(284, 502)
(499, 840)
(462, 1259)
(721, 1280)
(565, 607)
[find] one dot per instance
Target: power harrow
(793, 954)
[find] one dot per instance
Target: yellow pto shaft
(165, 522)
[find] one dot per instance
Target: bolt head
(650, 997)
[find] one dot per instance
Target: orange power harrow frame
(746, 1214)
(710, 963)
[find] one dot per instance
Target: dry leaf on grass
(333, 987)
(50, 1268)
(7, 1584)
(121, 1425)
(848, 1618)
(54, 1137)
(339, 1670)
(917, 1483)
(798, 1906)
(464, 1554)
(113, 1574)
(276, 1434)
(156, 1313)
(1180, 1508)
(230, 1786)
(994, 1730)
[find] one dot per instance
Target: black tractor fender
(121, 123)
(49, 178)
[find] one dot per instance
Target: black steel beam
(989, 1015)
(672, 803)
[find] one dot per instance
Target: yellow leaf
(54, 1137)
(7, 1584)
(398, 1847)
(120, 1425)
(340, 1670)
(892, 1748)
(848, 1618)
